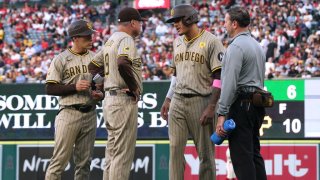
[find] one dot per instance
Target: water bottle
(228, 126)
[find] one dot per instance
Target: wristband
(216, 83)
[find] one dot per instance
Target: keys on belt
(245, 96)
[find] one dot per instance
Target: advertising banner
(34, 160)
(289, 162)
(30, 115)
(151, 4)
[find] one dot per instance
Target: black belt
(245, 93)
(80, 107)
(247, 89)
(192, 95)
(118, 92)
(189, 95)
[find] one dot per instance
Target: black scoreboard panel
(285, 120)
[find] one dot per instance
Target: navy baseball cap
(128, 13)
(80, 28)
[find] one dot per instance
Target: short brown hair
(239, 14)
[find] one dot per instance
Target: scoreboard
(296, 111)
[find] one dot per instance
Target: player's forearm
(216, 88)
(214, 98)
(94, 69)
(171, 88)
(60, 90)
(125, 70)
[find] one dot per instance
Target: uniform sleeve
(127, 48)
(55, 71)
(98, 59)
(173, 64)
(216, 54)
(232, 64)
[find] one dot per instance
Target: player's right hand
(97, 95)
(83, 85)
(165, 108)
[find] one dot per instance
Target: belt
(245, 93)
(80, 107)
(189, 95)
(118, 93)
(192, 95)
(247, 89)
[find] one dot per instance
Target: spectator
(292, 72)
(272, 49)
(21, 78)
(270, 68)
(1, 33)
(161, 29)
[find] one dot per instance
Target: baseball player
(75, 124)
(193, 93)
(123, 86)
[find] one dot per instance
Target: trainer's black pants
(244, 140)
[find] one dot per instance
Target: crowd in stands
(30, 36)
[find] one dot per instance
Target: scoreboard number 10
(294, 125)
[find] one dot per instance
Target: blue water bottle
(228, 126)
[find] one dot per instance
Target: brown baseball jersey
(75, 131)
(120, 110)
(119, 44)
(67, 68)
(195, 61)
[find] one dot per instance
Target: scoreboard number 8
(294, 126)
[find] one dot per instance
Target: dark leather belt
(189, 95)
(245, 93)
(247, 89)
(118, 92)
(80, 107)
(192, 95)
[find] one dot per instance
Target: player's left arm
(126, 54)
(216, 52)
(208, 114)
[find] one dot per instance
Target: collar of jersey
(77, 53)
(193, 39)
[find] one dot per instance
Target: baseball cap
(80, 28)
(128, 13)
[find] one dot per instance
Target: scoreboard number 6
(294, 125)
(291, 92)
